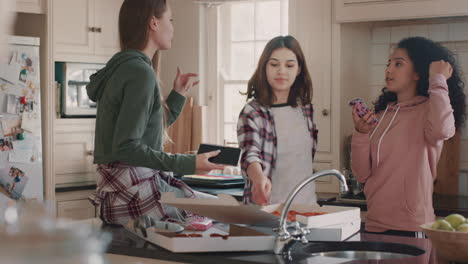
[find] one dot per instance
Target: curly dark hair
(422, 52)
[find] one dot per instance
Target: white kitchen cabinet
(75, 205)
(74, 146)
(326, 184)
(30, 6)
(376, 10)
(85, 30)
(310, 22)
(106, 18)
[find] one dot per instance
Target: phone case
(227, 156)
(361, 108)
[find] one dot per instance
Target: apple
(462, 228)
(442, 225)
(455, 220)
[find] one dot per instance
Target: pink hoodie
(398, 160)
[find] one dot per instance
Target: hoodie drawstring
(385, 132)
(378, 124)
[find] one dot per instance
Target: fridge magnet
(26, 69)
(12, 182)
(6, 143)
(11, 127)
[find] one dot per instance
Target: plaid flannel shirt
(257, 138)
(125, 192)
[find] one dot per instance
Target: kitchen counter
(443, 204)
(126, 243)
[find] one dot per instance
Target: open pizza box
(337, 224)
(218, 238)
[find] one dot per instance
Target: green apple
(442, 225)
(455, 220)
(462, 228)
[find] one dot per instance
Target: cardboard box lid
(228, 210)
(335, 215)
(225, 209)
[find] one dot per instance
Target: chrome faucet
(284, 237)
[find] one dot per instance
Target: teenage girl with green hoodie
(131, 121)
(422, 105)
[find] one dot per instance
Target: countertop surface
(443, 204)
(126, 243)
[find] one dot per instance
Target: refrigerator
(20, 121)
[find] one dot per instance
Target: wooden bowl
(450, 245)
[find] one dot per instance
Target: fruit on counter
(442, 225)
(455, 220)
(463, 228)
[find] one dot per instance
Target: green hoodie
(129, 121)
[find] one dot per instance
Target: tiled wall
(463, 184)
(453, 35)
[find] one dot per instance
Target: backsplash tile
(418, 31)
(399, 33)
(381, 35)
(458, 31)
(439, 32)
(380, 53)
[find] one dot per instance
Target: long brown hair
(258, 86)
(134, 20)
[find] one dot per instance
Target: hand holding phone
(227, 156)
(362, 109)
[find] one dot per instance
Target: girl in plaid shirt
(276, 129)
(131, 121)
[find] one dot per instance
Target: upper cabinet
(375, 10)
(30, 6)
(85, 30)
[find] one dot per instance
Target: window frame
(214, 21)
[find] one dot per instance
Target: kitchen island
(128, 244)
(443, 204)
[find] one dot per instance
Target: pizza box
(339, 232)
(236, 238)
(227, 209)
(334, 215)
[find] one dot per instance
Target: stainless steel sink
(357, 250)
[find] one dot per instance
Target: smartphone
(362, 108)
(227, 156)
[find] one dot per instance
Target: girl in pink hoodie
(421, 106)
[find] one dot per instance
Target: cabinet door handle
(92, 29)
(325, 112)
(98, 30)
(89, 153)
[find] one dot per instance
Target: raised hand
(183, 82)
(440, 67)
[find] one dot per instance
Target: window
(244, 28)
